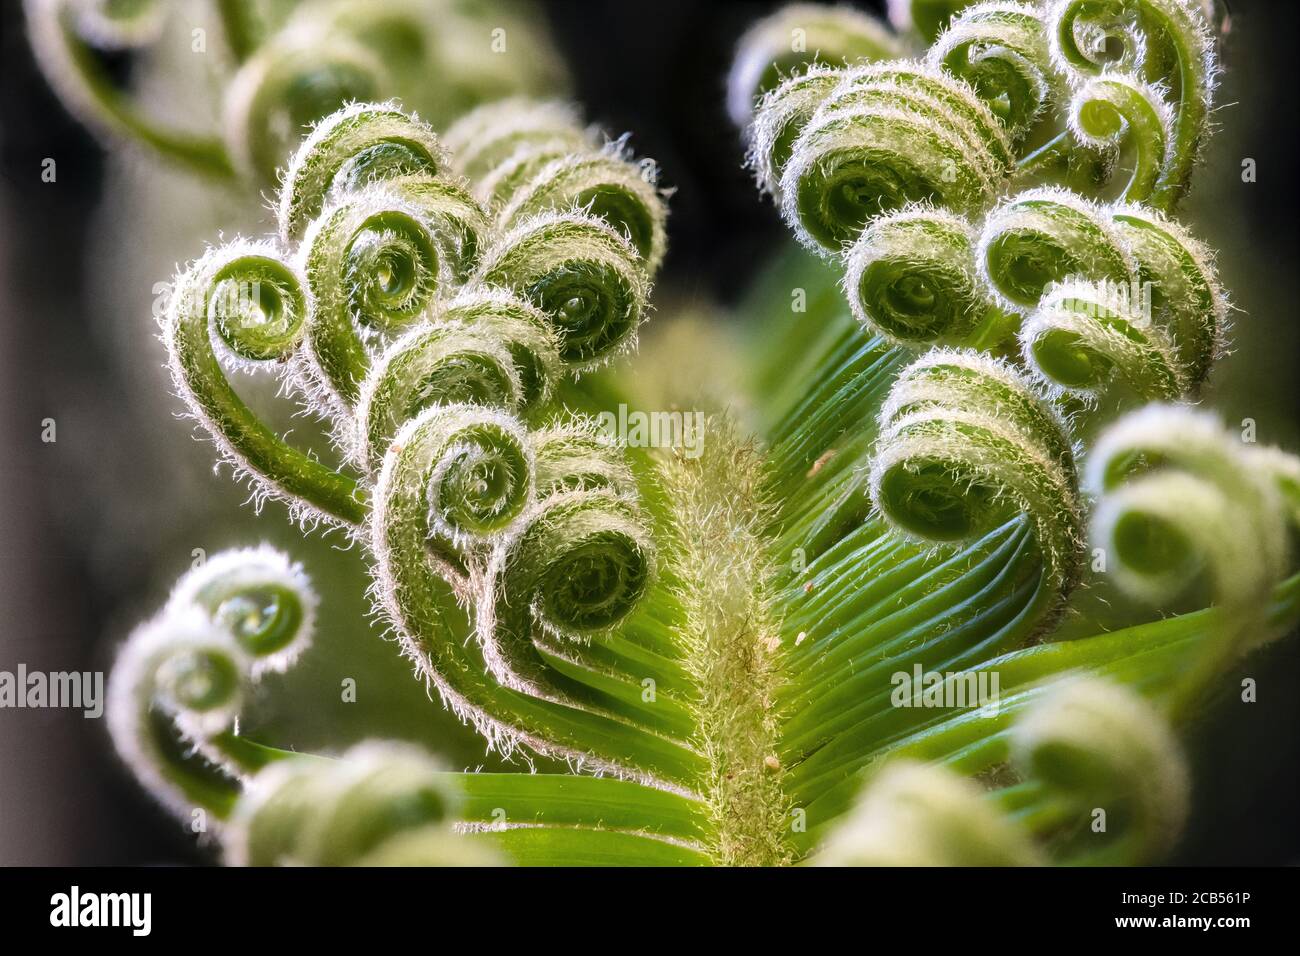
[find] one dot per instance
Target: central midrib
(729, 637)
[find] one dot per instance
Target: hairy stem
(730, 638)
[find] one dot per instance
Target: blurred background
(95, 525)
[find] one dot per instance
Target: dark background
(657, 69)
